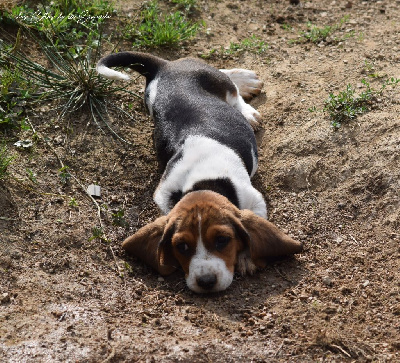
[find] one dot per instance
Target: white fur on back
(204, 158)
(111, 73)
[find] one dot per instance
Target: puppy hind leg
(222, 85)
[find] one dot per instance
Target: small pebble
(327, 281)
(5, 298)
(339, 240)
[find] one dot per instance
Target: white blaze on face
(204, 265)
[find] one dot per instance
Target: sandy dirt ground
(62, 298)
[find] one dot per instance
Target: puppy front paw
(245, 264)
(252, 116)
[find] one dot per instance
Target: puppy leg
(247, 82)
(251, 114)
(245, 264)
(248, 85)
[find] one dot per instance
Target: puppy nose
(207, 282)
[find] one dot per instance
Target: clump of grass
(94, 7)
(73, 203)
(32, 176)
(286, 26)
(369, 70)
(157, 30)
(98, 233)
(14, 92)
(64, 175)
(347, 105)
(118, 219)
(71, 82)
(72, 19)
(5, 161)
(316, 34)
(188, 6)
(252, 45)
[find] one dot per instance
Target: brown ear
(145, 245)
(165, 253)
(265, 239)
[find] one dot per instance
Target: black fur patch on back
(174, 198)
(221, 186)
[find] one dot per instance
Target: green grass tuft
(5, 161)
(15, 92)
(252, 45)
(73, 20)
(188, 6)
(72, 83)
(161, 30)
(347, 105)
(118, 219)
(316, 34)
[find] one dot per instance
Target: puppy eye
(183, 248)
(221, 242)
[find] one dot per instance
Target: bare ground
(62, 298)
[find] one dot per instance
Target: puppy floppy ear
(145, 245)
(165, 253)
(265, 240)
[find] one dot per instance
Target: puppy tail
(147, 65)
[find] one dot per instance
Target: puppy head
(204, 234)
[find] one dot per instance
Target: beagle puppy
(214, 219)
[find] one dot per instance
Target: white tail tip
(111, 73)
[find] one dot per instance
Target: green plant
(5, 161)
(70, 81)
(118, 219)
(72, 19)
(97, 233)
(83, 7)
(14, 92)
(287, 27)
(48, 20)
(157, 30)
(65, 176)
(128, 267)
(31, 175)
(315, 34)
(73, 202)
(188, 6)
(369, 69)
(347, 105)
(252, 45)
